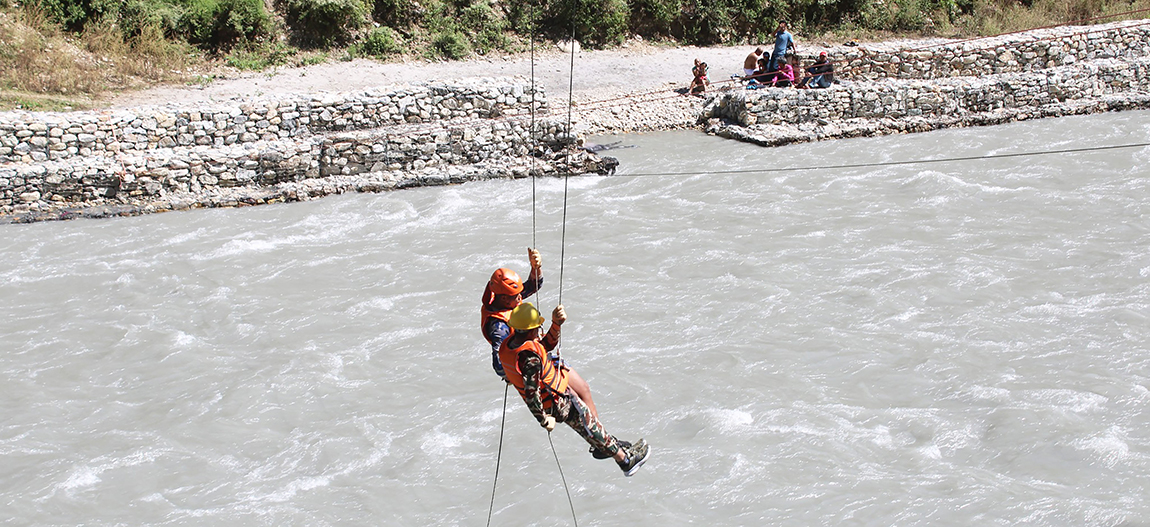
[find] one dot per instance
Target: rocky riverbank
(288, 146)
(548, 164)
(59, 166)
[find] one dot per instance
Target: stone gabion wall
(1031, 51)
(897, 99)
(152, 173)
(27, 137)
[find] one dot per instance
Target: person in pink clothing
(786, 75)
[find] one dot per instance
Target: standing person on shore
(751, 63)
(546, 389)
(504, 292)
(784, 42)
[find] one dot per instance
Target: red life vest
(552, 379)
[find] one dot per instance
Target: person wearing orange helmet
(546, 387)
(504, 292)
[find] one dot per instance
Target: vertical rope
(571, 82)
(532, 132)
(563, 248)
(499, 456)
(564, 478)
(567, 173)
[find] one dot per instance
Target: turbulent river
(962, 343)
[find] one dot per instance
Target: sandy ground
(635, 66)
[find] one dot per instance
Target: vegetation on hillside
(59, 52)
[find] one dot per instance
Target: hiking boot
(603, 454)
(637, 454)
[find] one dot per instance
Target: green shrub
(450, 45)
(598, 23)
(655, 17)
(324, 22)
(398, 13)
(896, 15)
(257, 56)
(75, 14)
(380, 42)
(138, 16)
(490, 27)
(221, 24)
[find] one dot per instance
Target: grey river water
(949, 344)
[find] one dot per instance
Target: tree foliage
(457, 28)
(324, 22)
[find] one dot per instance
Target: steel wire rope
(891, 163)
(654, 96)
(661, 94)
(657, 95)
(534, 140)
(564, 478)
(562, 251)
(499, 454)
(506, 385)
(593, 105)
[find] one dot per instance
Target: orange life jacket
(485, 315)
(552, 379)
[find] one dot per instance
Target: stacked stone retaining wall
(944, 97)
(39, 136)
(156, 172)
(52, 161)
(1020, 52)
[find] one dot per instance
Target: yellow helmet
(525, 317)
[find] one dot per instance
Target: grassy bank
(65, 54)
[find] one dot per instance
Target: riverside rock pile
(56, 165)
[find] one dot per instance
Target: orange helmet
(504, 281)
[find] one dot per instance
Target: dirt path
(636, 66)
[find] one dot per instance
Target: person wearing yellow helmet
(546, 387)
(504, 292)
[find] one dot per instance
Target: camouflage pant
(570, 409)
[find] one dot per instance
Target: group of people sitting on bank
(780, 69)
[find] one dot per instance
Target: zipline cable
(890, 163)
(663, 94)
